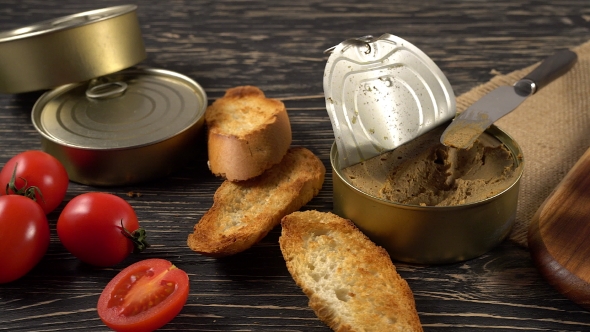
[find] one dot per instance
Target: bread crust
(351, 283)
(244, 212)
(247, 133)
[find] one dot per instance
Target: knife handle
(551, 68)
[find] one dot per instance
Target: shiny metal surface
(381, 93)
(70, 49)
(495, 105)
(471, 123)
(430, 234)
(136, 125)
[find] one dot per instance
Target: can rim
(65, 22)
(496, 132)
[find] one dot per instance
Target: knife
(468, 125)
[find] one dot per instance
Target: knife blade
(470, 124)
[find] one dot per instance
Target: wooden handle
(559, 235)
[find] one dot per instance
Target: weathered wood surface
(278, 46)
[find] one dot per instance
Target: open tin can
(382, 94)
(124, 128)
(431, 234)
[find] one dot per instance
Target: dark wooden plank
(279, 46)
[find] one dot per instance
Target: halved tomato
(144, 296)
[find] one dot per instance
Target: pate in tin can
(70, 49)
(123, 128)
(429, 204)
(423, 202)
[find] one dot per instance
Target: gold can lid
(70, 49)
(130, 109)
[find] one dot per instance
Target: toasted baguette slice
(244, 212)
(247, 133)
(351, 283)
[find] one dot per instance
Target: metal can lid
(132, 108)
(381, 93)
(70, 49)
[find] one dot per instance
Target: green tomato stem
(138, 237)
(24, 190)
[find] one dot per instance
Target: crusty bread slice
(244, 212)
(247, 133)
(351, 283)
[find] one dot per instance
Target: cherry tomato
(24, 236)
(144, 296)
(36, 169)
(100, 229)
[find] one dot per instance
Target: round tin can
(430, 234)
(124, 128)
(70, 49)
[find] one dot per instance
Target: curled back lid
(381, 93)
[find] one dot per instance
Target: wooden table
(278, 46)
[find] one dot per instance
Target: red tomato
(100, 229)
(24, 236)
(144, 296)
(40, 170)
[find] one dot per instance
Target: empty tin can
(123, 128)
(70, 49)
(431, 234)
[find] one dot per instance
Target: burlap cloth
(552, 128)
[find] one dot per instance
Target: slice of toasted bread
(244, 212)
(351, 283)
(247, 133)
